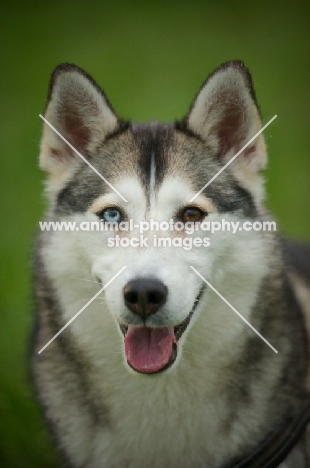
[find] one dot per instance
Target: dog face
(150, 174)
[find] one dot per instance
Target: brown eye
(192, 214)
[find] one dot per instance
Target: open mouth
(153, 350)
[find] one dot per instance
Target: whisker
(201, 302)
(84, 279)
(189, 352)
(86, 299)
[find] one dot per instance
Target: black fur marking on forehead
(153, 141)
(234, 199)
(225, 192)
(80, 192)
(150, 141)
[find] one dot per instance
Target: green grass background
(150, 58)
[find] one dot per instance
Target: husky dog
(158, 371)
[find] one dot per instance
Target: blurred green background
(150, 58)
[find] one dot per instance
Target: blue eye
(111, 215)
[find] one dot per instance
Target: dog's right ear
(78, 109)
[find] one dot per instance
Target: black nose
(145, 296)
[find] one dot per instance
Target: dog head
(102, 169)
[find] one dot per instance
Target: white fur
(184, 393)
(152, 182)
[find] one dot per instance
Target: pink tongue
(148, 349)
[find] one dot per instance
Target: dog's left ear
(226, 116)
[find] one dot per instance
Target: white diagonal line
(82, 157)
(83, 308)
(233, 158)
(238, 313)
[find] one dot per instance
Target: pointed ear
(79, 110)
(226, 116)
